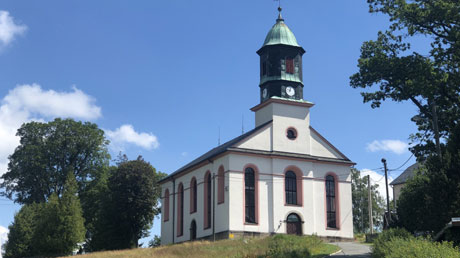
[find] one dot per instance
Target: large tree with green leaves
(47, 153)
(430, 199)
(389, 69)
(125, 204)
(60, 224)
(21, 232)
(360, 202)
(50, 228)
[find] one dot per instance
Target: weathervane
(279, 10)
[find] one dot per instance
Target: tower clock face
(290, 91)
(264, 93)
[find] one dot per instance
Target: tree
(360, 202)
(96, 203)
(48, 229)
(47, 153)
(155, 242)
(21, 232)
(60, 225)
(127, 214)
(431, 80)
(430, 199)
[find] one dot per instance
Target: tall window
(193, 199)
(290, 66)
(221, 185)
(330, 202)
(250, 197)
(166, 206)
(290, 187)
(207, 200)
(180, 210)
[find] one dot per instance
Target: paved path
(352, 250)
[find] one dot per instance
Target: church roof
(280, 34)
(216, 151)
(230, 146)
(406, 175)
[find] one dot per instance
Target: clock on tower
(280, 64)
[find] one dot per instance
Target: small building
(282, 177)
(401, 180)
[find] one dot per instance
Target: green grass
(276, 246)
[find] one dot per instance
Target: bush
(292, 246)
(416, 247)
(388, 235)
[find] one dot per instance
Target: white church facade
(282, 177)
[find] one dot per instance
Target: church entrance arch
(193, 230)
(293, 224)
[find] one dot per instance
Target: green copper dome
(280, 34)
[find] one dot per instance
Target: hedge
(399, 243)
(420, 248)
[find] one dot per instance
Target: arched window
(220, 185)
(193, 197)
(166, 206)
(207, 200)
(330, 202)
(250, 195)
(180, 210)
(290, 187)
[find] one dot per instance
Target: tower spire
(280, 18)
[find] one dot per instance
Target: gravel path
(352, 250)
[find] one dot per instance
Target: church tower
(280, 64)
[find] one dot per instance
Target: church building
(282, 177)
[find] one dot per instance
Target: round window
(291, 133)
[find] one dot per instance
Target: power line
(402, 164)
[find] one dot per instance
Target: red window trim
(299, 184)
(166, 206)
(221, 185)
(205, 200)
(193, 199)
(180, 210)
(337, 201)
(256, 194)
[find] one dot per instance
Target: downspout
(213, 207)
(213, 202)
(174, 207)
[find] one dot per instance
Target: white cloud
(126, 134)
(9, 29)
(395, 146)
(3, 238)
(35, 101)
(27, 103)
(184, 154)
(379, 179)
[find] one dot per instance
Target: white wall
(272, 209)
(221, 210)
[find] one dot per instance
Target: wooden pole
(384, 161)
(371, 222)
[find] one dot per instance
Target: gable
(321, 147)
(260, 140)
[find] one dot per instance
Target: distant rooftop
(406, 175)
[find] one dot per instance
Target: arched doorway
(293, 224)
(193, 230)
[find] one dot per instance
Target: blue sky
(161, 77)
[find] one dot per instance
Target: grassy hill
(276, 246)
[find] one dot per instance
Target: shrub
(385, 236)
(416, 247)
(292, 246)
